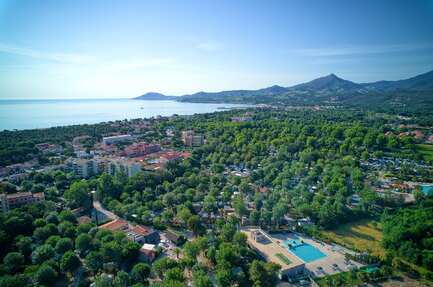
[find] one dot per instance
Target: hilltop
(331, 89)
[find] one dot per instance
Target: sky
(122, 49)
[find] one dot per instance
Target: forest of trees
(299, 163)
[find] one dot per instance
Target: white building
(116, 139)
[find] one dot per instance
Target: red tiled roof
(141, 230)
(84, 219)
(115, 225)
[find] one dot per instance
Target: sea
(31, 114)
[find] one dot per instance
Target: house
(116, 225)
(136, 233)
(144, 234)
(174, 237)
(148, 252)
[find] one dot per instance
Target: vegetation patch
(283, 258)
(426, 150)
(363, 235)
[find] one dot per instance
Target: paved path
(97, 205)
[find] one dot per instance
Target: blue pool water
(427, 189)
(304, 251)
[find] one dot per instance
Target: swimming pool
(302, 250)
(427, 189)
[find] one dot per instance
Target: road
(97, 205)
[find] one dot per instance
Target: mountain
(327, 83)
(331, 89)
(151, 96)
(234, 96)
(423, 82)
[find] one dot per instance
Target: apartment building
(9, 201)
(190, 138)
(140, 149)
(86, 168)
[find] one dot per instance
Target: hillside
(152, 96)
(412, 93)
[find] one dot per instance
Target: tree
(194, 224)
(69, 262)
(209, 205)
(63, 245)
(94, 261)
(264, 274)
(46, 275)
(24, 245)
(239, 206)
(201, 279)
(78, 195)
(140, 272)
(122, 279)
(278, 212)
(14, 281)
(160, 266)
(223, 277)
(13, 261)
(183, 213)
(174, 274)
(103, 281)
(42, 254)
(83, 243)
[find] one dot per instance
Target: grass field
(426, 150)
(363, 235)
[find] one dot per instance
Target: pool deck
(271, 248)
(335, 254)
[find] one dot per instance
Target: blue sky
(121, 49)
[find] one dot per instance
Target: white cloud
(210, 46)
(82, 61)
(56, 57)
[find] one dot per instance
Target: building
(243, 119)
(116, 139)
(190, 138)
(272, 251)
(148, 252)
(127, 166)
(174, 237)
(9, 201)
(140, 149)
(86, 168)
(47, 148)
(136, 233)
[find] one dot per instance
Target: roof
(147, 246)
(18, 194)
(141, 230)
(115, 225)
(172, 236)
(84, 219)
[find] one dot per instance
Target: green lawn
(362, 235)
(283, 258)
(426, 150)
